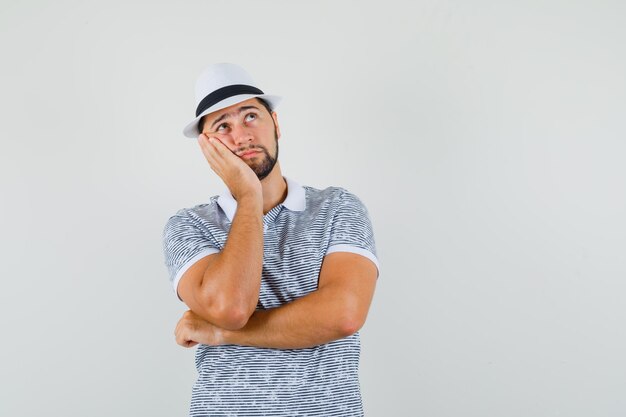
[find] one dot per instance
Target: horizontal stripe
(188, 264)
(223, 93)
(353, 249)
(244, 380)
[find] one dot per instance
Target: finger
(209, 139)
(221, 158)
(221, 147)
(217, 150)
(205, 145)
(211, 154)
(183, 339)
(179, 339)
(180, 334)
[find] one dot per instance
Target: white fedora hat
(220, 86)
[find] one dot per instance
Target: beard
(263, 164)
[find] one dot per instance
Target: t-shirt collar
(295, 200)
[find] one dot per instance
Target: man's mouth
(248, 152)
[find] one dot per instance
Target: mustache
(258, 148)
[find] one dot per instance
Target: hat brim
(192, 131)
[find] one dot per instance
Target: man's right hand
(223, 288)
(236, 174)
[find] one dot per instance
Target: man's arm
(338, 308)
(224, 288)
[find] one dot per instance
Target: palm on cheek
(221, 159)
(235, 173)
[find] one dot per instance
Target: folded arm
(223, 288)
(337, 309)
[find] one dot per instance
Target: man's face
(246, 127)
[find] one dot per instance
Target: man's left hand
(193, 329)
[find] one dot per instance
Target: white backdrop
(486, 139)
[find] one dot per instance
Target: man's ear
(275, 117)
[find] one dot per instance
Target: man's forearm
(314, 319)
(234, 279)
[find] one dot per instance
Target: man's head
(250, 130)
(223, 85)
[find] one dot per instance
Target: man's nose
(241, 135)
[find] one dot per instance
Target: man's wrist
(225, 337)
(238, 337)
(251, 199)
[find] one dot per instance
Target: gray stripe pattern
(238, 380)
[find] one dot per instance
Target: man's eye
(250, 117)
(222, 127)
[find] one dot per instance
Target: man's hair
(263, 102)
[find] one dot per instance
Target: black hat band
(223, 93)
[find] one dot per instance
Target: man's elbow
(223, 315)
(229, 316)
(234, 320)
(351, 323)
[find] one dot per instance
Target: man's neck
(274, 189)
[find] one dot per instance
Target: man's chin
(261, 175)
(260, 165)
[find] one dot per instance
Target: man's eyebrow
(225, 115)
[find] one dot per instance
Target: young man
(278, 277)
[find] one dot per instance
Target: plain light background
(486, 139)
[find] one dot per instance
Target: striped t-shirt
(236, 380)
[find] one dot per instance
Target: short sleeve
(351, 229)
(184, 243)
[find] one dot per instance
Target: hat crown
(220, 75)
(223, 85)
